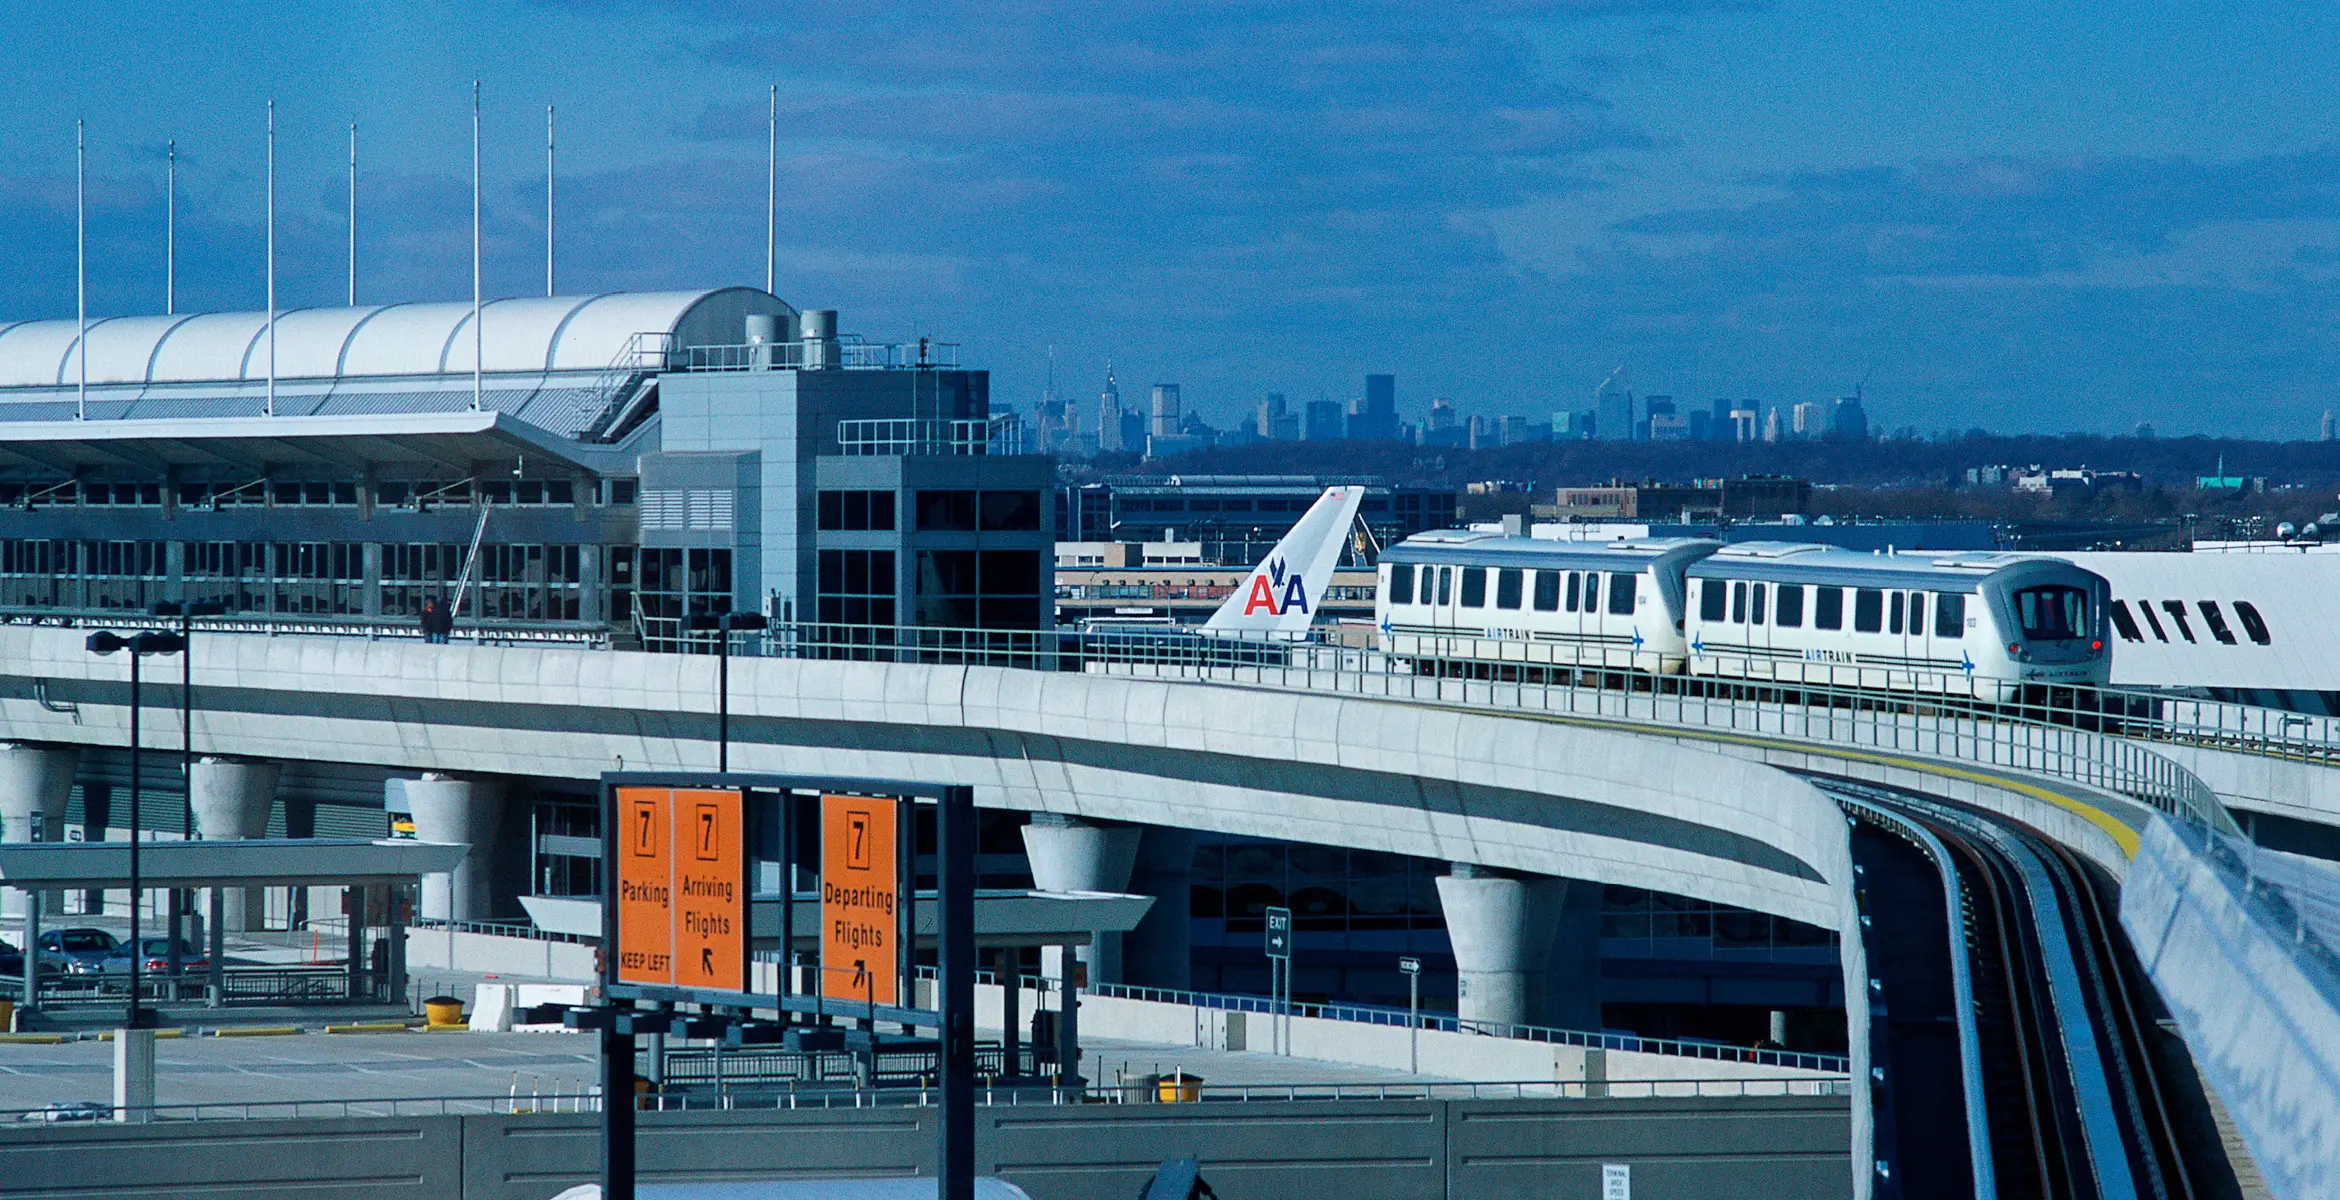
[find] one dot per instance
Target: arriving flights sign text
(682, 918)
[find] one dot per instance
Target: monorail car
(1982, 625)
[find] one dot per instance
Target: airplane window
(2253, 624)
(1572, 591)
(2216, 621)
(2145, 610)
(1507, 588)
(1755, 605)
(2177, 613)
(1712, 599)
(1547, 591)
(1868, 610)
(1621, 594)
(1893, 622)
(1401, 585)
(1950, 616)
(1738, 604)
(1474, 587)
(2123, 622)
(1788, 612)
(1828, 608)
(1445, 584)
(1917, 613)
(1592, 591)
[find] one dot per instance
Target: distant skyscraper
(1719, 426)
(1743, 427)
(1849, 422)
(1323, 421)
(1613, 412)
(1165, 410)
(1109, 417)
(1805, 420)
(2326, 429)
(1771, 424)
(1273, 418)
(1380, 407)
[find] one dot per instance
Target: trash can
(1178, 1087)
(443, 1010)
(7, 1016)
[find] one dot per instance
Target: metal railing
(1450, 1023)
(239, 986)
(2089, 736)
(844, 352)
(484, 633)
(888, 436)
(510, 929)
(588, 1100)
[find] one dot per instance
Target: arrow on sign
(707, 960)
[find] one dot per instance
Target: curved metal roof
(537, 334)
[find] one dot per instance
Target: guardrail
(2087, 736)
(484, 633)
(1449, 1023)
(241, 985)
(589, 1100)
(510, 929)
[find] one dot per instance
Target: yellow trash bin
(1178, 1087)
(443, 1010)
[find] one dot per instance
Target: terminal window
(856, 587)
(856, 511)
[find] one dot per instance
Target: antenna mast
(81, 270)
(548, 199)
(772, 191)
(171, 232)
(478, 343)
(353, 214)
(270, 408)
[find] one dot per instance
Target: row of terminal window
(949, 511)
(2254, 625)
(1554, 591)
(1874, 609)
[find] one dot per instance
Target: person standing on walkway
(437, 622)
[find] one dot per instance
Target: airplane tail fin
(1284, 591)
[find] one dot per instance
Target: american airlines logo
(1274, 591)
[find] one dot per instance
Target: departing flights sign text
(860, 889)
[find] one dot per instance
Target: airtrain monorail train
(1984, 625)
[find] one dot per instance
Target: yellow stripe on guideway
(31, 1039)
(2122, 834)
(372, 1027)
(257, 1031)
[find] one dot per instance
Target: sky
(2031, 217)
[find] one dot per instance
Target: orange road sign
(860, 885)
(682, 888)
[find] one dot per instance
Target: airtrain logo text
(1275, 592)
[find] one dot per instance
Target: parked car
(66, 1112)
(83, 949)
(12, 963)
(157, 960)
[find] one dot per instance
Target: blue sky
(2029, 216)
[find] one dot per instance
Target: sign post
(1279, 953)
(1413, 971)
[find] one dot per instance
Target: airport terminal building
(594, 465)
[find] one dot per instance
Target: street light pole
(724, 624)
(186, 611)
(1413, 970)
(139, 645)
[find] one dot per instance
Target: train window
(2253, 624)
(1621, 594)
(1950, 616)
(1547, 591)
(1592, 591)
(1868, 610)
(2216, 621)
(1755, 604)
(2145, 610)
(1507, 588)
(1787, 609)
(1893, 619)
(2056, 614)
(1401, 584)
(1828, 608)
(1474, 587)
(1713, 598)
(2123, 622)
(1738, 604)
(1917, 614)
(1572, 581)
(2177, 615)
(1445, 584)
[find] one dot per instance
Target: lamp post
(139, 645)
(1413, 971)
(186, 611)
(724, 624)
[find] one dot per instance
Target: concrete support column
(232, 798)
(34, 784)
(1160, 951)
(1502, 928)
(463, 812)
(1069, 854)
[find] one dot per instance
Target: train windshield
(2053, 614)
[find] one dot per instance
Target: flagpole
(270, 408)
(548, 199)
(477, 342)
(171, 233)
(353, 214)
(772, 191)
(81, 268)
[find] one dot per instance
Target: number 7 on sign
(709, 830)
(646, 828)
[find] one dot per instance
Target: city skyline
(1500, 203)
